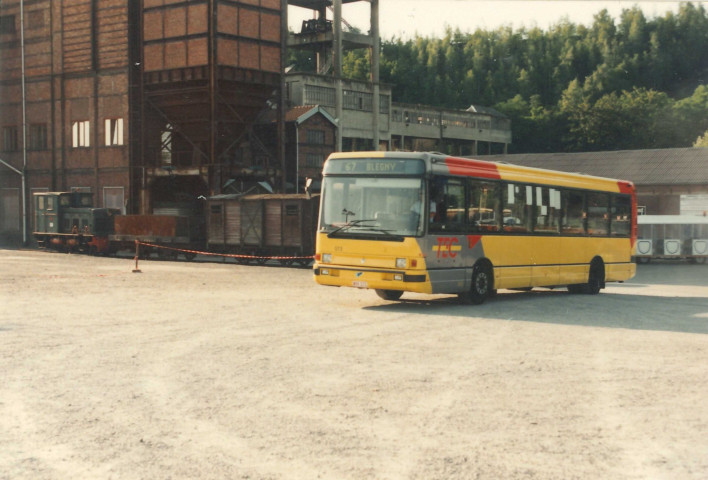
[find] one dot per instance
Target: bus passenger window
(621, 215)
(448, 196)
(547, 206)
(598, 215)
(482, 207)
(518, 201)
(573, 213)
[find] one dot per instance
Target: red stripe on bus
(625, 187)
(628, 188)
(472, 168)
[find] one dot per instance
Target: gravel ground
(215, 371)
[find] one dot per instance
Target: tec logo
(447, 247)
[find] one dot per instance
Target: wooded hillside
(629, 83)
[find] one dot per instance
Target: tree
(702, 141)
(691, 115)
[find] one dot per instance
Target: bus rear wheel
(596, 280)
(482, 285)
(391, 295)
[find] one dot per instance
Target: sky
(406, 18)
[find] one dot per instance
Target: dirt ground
(221, 371)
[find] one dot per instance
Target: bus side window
(598, 214)
(621, 215)
(547, 207)
(518, 201)
(482, 207)
(573, 204)
(448, 196)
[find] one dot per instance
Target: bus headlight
(326, 258)
(401, 263)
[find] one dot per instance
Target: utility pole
(24, 125)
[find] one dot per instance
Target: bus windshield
(369, 206)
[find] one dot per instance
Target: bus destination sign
(374, 166)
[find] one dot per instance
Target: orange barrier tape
(229, 255)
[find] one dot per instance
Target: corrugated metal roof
(669, 166)
(296, 112)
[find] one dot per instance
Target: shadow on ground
(610, 310)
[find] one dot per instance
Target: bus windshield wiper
(348, 225)
(384, 231)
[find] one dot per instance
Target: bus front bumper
(373, 279)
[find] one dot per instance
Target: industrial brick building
(134, 101)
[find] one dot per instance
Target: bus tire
(596, 279)
(482, 284)
(391, 295)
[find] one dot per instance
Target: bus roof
(473, 167)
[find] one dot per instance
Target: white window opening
(114, 131)
(81, 134)
(114, 197)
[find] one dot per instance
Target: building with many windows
(364, 111)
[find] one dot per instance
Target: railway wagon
(67, 221)
(262, 226)
(176, 232)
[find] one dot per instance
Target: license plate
(360, 284)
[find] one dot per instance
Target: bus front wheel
(482, 285)
(391, 295)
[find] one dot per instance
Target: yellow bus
(429, 223)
